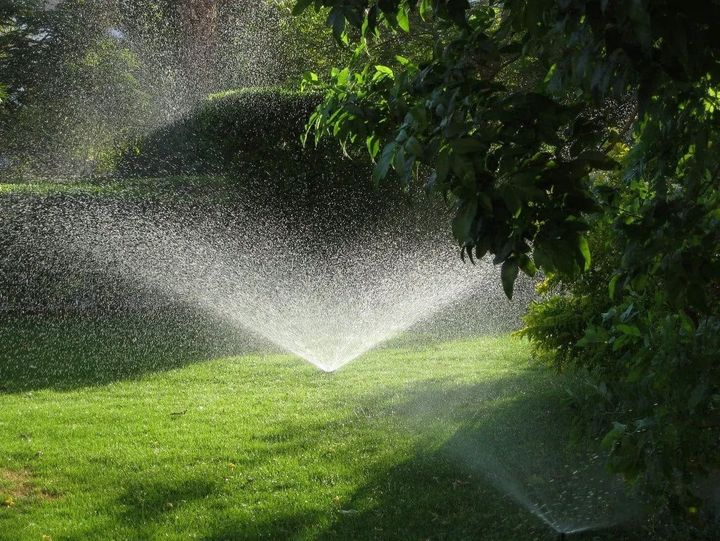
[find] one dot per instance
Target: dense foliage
(513, 112)
(228, 131)
(51, 60)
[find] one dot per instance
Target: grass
(402, 444)
(140, 187)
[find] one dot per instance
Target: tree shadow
(509, 471)
(430, 497)
(284, 525)
(65, 353)
(149, 501)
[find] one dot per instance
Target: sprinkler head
(326, 369)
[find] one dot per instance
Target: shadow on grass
(509, 471)
(284, 525)
(72, 352)
(506, 473)
(148, 501)
(432, 497)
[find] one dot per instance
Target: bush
(252, 138)
(555, 325)
(228, 131)
(646, 331)
(569, 304)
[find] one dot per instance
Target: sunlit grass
(265, 446)
(46, 187)
(140, 186)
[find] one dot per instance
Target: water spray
(280, 281)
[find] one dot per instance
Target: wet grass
(66, 353)
(173, 187)
(265, 446)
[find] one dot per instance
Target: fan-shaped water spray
(328, 309)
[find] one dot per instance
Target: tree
(73, 86)
(79, 81)
(512, 116)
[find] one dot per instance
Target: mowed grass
(265, 446)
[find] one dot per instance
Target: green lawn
(104, 434)
(175, 188)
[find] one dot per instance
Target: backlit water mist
(326, 302)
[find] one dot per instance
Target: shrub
(569, 304)
(646, 330)
(228, 131)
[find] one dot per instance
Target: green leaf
(508, 275)
(424, 8)
(382, 166)
(613, 437)
(373, 145)
(620, 342)
(442, 166)
(402, 19)
(482, 246)
(543, 256)
(414, 146)
(310, 76)
(527, 265)
(630, 330)
(687, 324)
(613, 285)
(336, 20)
(464, 218)
(400, 163)
(584, 251)
(384, 70)
(512, 200)
(418, 117)
(550, 74)
(342, 77)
